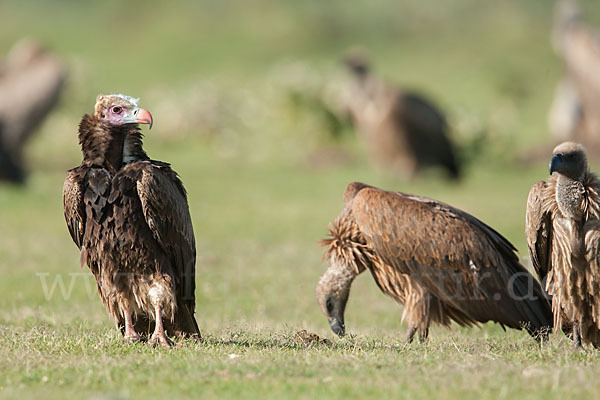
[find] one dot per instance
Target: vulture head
(357, 62)
(332, 293)
(569, 159)
(118, 109)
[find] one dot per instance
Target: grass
(236, 363)
(217, 77)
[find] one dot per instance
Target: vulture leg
(130, 333)
(410, 333)
(423, 335)
(159, 331)
(576, 336)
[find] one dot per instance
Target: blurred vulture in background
(441, 263)
(10, 170)
(31, 79)
(403, 132)
(575, 110)
(563, 236)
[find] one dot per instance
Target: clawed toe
(163, 340)
(132, 338)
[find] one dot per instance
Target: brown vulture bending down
(129, 216)
(441, 263)
(563, 235)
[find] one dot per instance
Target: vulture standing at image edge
(129, 216)
(563, 236)
(441, 263)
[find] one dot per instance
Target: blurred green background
(264, 172)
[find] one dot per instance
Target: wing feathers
(165, 208)
(73, 205)
(458, 258)
(166, 212)
(538, 229)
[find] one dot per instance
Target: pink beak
(139, 116)
(143, 116)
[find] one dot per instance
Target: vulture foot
(132, 337)
(161, 339)
(159, 336)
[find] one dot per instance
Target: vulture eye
(117, 109)
(329, 305)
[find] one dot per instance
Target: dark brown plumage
(441, 263)
(129, 216)
(10, 167)
(403, 131)
(563, 236)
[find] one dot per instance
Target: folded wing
(460, 259)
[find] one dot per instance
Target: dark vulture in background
(403, 132)
(31, 79)
(563, 236)
(575, 111)
(441, 263)
(129, 216)
(10, 169)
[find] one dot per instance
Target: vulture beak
(337, 326)
(555, 162)
(139, 116)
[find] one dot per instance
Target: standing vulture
(403, 131)
(129, 216)
(441, 263)
(31, 79)
(563, 236)
(575, 114)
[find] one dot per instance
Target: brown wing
(538, 228)
(164, 203)
(458, 258)
(73, 204)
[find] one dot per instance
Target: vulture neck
(570, 196)
(338, 278)
(110, 147)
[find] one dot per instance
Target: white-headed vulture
(129, 216)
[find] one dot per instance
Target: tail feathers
(185, 323)
(535, 310)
